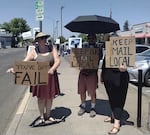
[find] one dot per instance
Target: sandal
(51, 119)
(109, 119)
(92, 113)
(114, 131)
(41, 122)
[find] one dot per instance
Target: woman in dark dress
(116, 85)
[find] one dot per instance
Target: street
(10, 94)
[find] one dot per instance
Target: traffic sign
(39, 10)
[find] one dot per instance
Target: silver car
(143, 63)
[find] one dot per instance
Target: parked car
(142, 62)
(141, 48)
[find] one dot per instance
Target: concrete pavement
(67, 104)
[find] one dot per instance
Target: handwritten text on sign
(87, 58)
(120, 51)
(31, 73)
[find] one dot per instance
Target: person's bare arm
(56, 61)
(30, 55)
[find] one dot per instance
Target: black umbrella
(93, 24)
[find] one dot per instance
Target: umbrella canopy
(93, 24)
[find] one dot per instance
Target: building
(140, 31)
(5, 39)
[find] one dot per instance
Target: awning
(147, 35)
(141, 35)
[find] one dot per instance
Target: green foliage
(126, 26)
(100, 37)
(83, 36)
(6, 26)
(62, 39)
(16, 26)
(73, 36)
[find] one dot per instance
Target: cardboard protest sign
(87, 58)
(120, 51)
(31, 73)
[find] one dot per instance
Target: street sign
(39, 10)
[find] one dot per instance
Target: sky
(134, 11)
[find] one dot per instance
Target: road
(10, 94)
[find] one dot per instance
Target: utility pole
(53, 29)
(40, 25)
(61, 19)
(57, 29)
(110, 11)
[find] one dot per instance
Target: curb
(19, 114)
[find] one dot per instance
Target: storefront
(5, 40)
(140, 31)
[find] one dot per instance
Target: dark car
(142, 62)
(141, 48)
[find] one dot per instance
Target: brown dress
(52, 89)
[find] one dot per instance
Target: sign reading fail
(87, 58)
(120, 51)
(31, 73)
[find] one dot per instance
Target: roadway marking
(23, 102)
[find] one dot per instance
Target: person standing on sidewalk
(45, 94)
(88, 82)
(116, 82)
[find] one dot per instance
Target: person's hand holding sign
(51, 71)
(10, 70)
(122, 68)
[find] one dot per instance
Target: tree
(62, 39)
(73, 36)
(126, 26)
(83, 36)
(16, 26)
(5, 26)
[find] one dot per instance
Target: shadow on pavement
(59, 114)
(103, 108)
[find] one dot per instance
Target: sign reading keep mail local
(31, 73)
(120, 51)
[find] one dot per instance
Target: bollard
(139, 105)
(148, 123)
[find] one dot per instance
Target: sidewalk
(67, 105)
